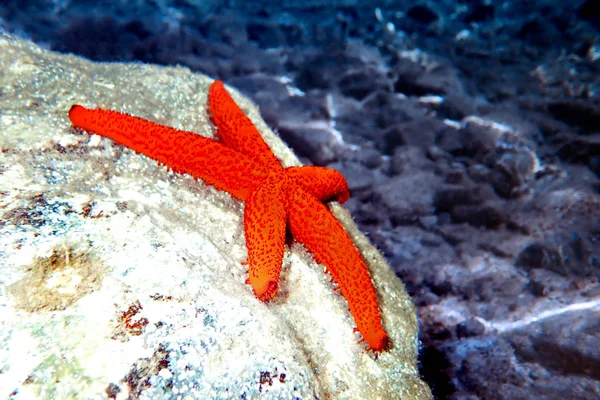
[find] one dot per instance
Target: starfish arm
(323, 183)
(180, 151)
(265, 220)
(234, 128)
(313, 225)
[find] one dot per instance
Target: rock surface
(120, 279)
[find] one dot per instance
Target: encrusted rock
(121, 279)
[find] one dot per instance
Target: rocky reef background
(469, 132)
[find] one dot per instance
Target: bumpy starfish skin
(276, 198)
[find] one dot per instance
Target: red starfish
(277, 198)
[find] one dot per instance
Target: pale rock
(120, 279)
